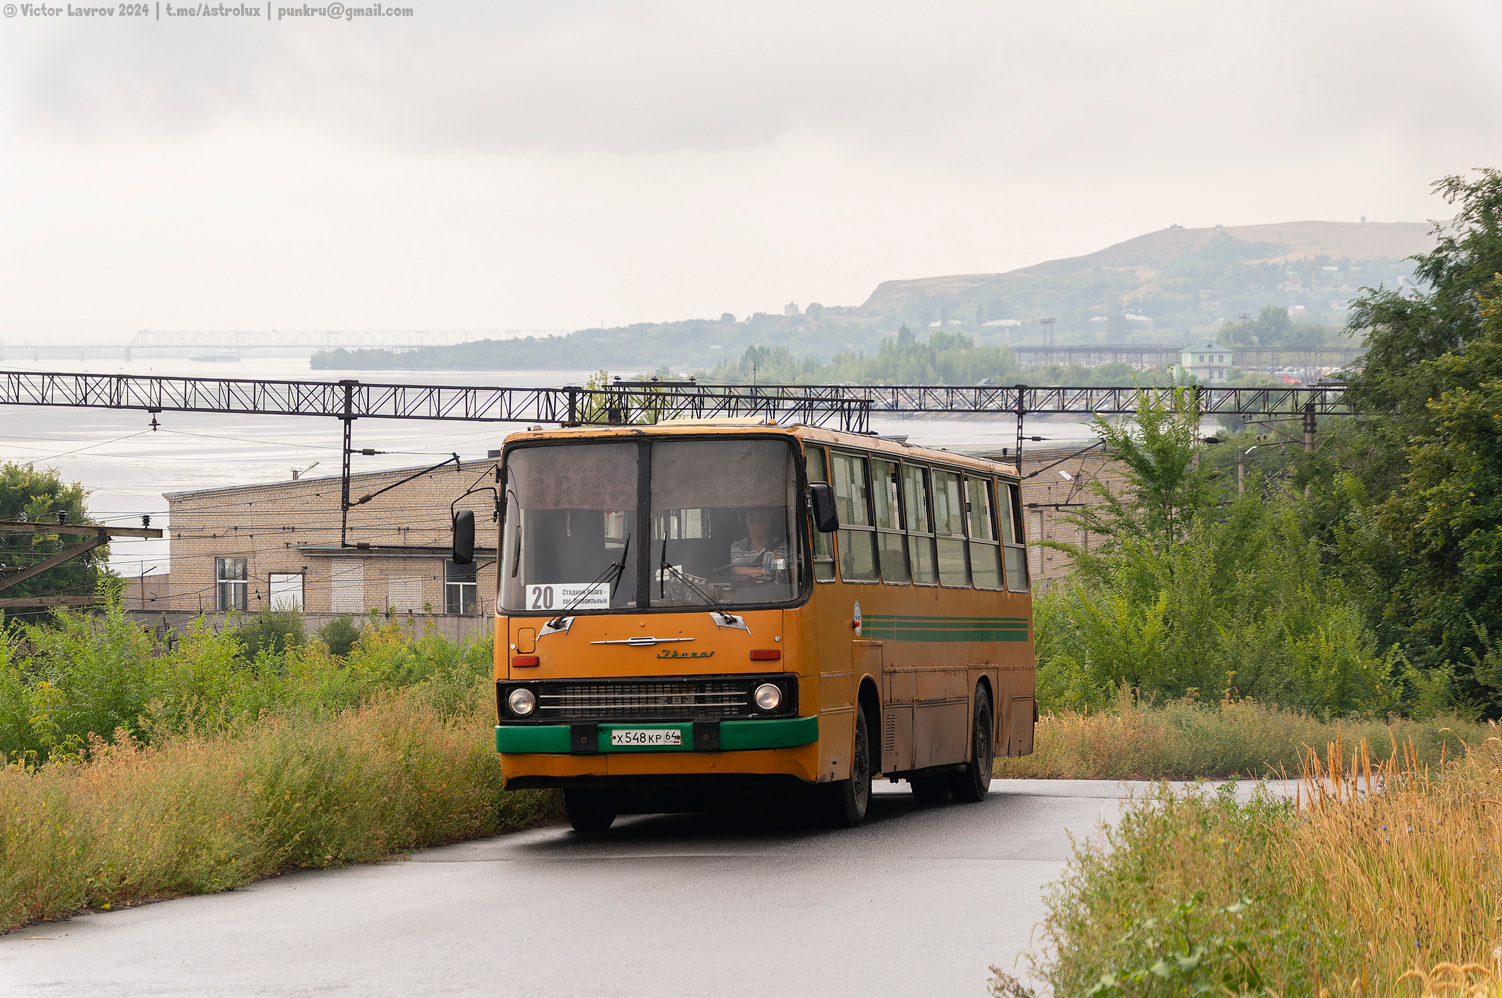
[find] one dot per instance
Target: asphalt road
(917, 901)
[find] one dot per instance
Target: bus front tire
(589, 810)
(849, 799)
(971, 783)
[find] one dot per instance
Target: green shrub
(272, 631)
(86, 676)
(196, 814)
(1186, 895)
(1238, 606)
(340, 635)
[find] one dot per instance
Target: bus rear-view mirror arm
(821, 499)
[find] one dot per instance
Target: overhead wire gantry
(846, 407)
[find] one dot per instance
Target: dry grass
(194, 814)
(1185, 740)
(1383, 877)
(1408, 861)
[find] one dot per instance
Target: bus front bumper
(696, 736)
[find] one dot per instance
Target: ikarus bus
(688, 610)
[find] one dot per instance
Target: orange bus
(690, 609)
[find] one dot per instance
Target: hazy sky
(555, 165)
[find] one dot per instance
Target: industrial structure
(378, 541)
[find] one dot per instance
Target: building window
(231, 584)
(460, 593)
(286, 591)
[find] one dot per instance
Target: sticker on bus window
(569, 596)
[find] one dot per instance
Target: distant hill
(1163, 287)
(1183, 280)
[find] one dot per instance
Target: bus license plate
(646, 736)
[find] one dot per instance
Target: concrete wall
(452, 626)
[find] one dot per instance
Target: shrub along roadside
(197, 814)
(1379, 879)
(82, 676)
(1185, 740)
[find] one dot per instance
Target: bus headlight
(521, 702)
(768, 696)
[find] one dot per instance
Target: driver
(760, 554)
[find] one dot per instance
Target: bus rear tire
(589, 810)
(849, 799)
(971, 784)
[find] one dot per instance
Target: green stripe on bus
(782, 732)
(942, 637)
(944, 629)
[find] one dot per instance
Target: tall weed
(1187, 740)
(197, 814)
(1382, 877)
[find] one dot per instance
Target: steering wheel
(729, 573)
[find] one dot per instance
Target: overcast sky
(556, 165)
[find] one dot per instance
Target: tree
(1270, 328)
(1196, 593)
(1402, 329)
(1442, 595)
(1425, 549)
(1158, 453)
(37, 497)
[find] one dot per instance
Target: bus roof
(896, 447)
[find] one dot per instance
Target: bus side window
(985, 549)
(920, 527)
(1014, 550)
(823, 551)
(949, 524)
(857, 537)
(891, 542)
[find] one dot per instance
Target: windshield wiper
(620, 567)
(661, 582)
(616, 569)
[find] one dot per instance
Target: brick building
(1057, 481)
(277, 545)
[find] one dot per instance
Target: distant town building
(791, 308)
(1208, 362)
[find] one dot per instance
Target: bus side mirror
(821, 497)
(464, 537)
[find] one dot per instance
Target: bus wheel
(848, 799)
(971, 783)
(589, 810)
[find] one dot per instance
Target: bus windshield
(721, 515)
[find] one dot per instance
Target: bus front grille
(643, 700)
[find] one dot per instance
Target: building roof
(321, 480)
